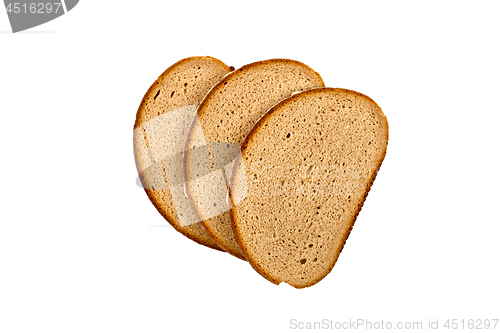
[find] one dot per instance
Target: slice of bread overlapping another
(161, 125)
(308, 165)
(262, 162)
(226, 116)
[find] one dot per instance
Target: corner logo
(28, 14)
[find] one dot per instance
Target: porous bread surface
(183, 84)
(231, 109)
(309, 164)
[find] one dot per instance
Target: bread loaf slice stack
(160, 129)
(308, 165)
(262, 162)
(226, 116)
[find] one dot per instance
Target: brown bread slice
(228, 113)
(182, 86)
(308, 165)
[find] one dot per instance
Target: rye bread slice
(228, 113)
(308, 165)
(181, 87)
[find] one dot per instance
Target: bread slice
(162, 117)
(307, 165)
(226, 115)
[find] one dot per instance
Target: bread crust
(202, 107)
(234, 217)
(166, 73)
(194, 232)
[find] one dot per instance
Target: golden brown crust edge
(239, 239)
(243, 68)
(220, 244)
(167, 72)
(212, 91)
(154, 200)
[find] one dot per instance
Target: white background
(83, 250)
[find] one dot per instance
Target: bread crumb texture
(181, 87)
(309, 164)
(229, 112)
